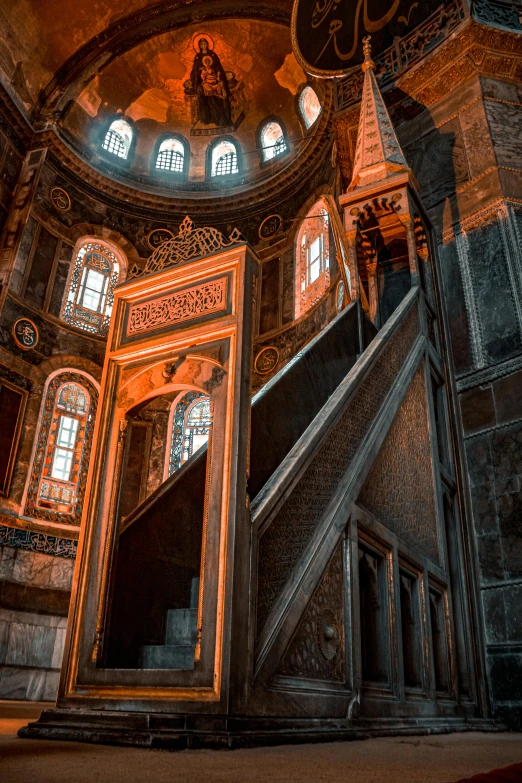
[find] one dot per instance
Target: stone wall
(34, 599)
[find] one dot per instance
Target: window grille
(91, 289)
(312, 258)
(227, 164)
(115, 144)
(273, 140)
(170, 160)
(191, 426)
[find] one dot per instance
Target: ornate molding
(489, 374)
(469, 222)
(194, 302)
(504, 14)
(191, 242)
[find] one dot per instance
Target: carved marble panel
(399, 490)
(289, 533)
(505, 122)
(204, 299)
(317, 649)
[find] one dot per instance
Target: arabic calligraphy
(329, 33)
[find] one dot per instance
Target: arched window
(191, 425)
(309, 106)
(273, 142)
(171, 156)
(118, 139)
(224, 159)
(312, 258)
(91, 289)
(59, 471)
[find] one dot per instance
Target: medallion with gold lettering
(60, 199)
(25, 334)
(270, 226)
(327, 34)
(266, 360)
(158, 237)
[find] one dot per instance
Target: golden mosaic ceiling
(38, 38)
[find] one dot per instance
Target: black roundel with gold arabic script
(327, 34)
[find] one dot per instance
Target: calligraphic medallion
(270, 226)
(158, 237)
(25, 334)
(60, 199)
(327, 34)
(266, 360)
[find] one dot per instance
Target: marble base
(178, 732)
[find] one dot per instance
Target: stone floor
(435, 759)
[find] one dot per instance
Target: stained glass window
(118, 138)
(91, 289)
(57, 481)
(171, 156)
(224, 159)
(198, 421)
(191, 426)
(309, 105)
(273, 140)
(312, 258)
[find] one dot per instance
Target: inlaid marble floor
(435, 759)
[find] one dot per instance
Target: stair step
(182, 627)
(167, 656)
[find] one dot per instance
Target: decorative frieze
(498, 13)
(38, 542)
(178, 307)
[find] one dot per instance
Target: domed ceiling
(153, 85)
(40, 35)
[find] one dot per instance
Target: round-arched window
(56, 484)
(91, 289)
(309, 106)
(224, 159)
(118, 138)
(273, 142)
(191, 425)
(171, 156)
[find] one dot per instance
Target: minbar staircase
(150, 538)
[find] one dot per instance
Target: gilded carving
(191, 242)
(178, 307)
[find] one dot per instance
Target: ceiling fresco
(201, 81)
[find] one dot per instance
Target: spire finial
(367, 51)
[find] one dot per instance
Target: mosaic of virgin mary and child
(210, 87)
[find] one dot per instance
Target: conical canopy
(378, 153)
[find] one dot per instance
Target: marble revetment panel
(399, 490)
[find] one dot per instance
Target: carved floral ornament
(191, 242)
